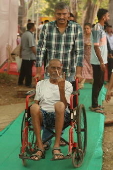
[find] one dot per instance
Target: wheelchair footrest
(22, 156)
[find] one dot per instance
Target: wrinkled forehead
(55, 64)
(62, 11)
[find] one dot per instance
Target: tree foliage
(82, 7)
(51, 4)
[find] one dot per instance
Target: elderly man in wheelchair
(56, 107)
(51, 108)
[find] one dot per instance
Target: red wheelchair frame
(76, 150)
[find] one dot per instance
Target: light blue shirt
(98, 38)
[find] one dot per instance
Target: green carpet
(10, 143)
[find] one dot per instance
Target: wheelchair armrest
(30, 94)
(27, 99)
(76, 92)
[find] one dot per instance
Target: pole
(27, 9)
(37, 22)
(33, 11)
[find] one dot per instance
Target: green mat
(10, 143)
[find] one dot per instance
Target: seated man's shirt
(48, 94)
(99, 38)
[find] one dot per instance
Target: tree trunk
(73, 8)
(23, 12)
(111, 12)
(90, 12)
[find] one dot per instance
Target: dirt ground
(11, 98)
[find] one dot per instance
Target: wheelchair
(78, 126)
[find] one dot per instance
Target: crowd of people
(68, 53)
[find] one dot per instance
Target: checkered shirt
(67, 47)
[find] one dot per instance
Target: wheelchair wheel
(77, 157)
(81, 128)
(28, 139)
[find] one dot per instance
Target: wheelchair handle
(27, 99)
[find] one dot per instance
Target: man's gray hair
(61, 5)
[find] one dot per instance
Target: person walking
(61, 39)
(98, 57)
(87, 72)
(28, 54)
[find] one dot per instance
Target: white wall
(8, 26)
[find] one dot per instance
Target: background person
(71, 18)
(29, 21)
(98, 57)
(28, 54)
(87, 72)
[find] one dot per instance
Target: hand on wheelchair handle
(78, 78)
(38, 77)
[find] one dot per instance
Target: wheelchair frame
(76, 150)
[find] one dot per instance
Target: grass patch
(6, 78)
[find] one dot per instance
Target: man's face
(109, 29)
(106, 17)
(34, 28)
(71, 18)
(87, 29)
(62, 16)
(55, 69)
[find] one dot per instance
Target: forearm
(33, 50)
(98, 54)
(78, 70)
(38, 70)
(62, 97)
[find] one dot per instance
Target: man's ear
(47, 69)
(104, 17)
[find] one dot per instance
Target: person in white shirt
(52, 97)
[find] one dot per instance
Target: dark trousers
(110, 67)
(26, 72)
(98, 76)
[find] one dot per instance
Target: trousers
(98, 76)
(26, 72)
